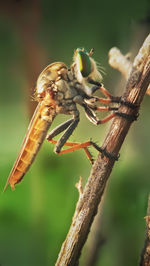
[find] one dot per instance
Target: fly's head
(85, 67)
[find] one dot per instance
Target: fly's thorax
(55, 87)
(64, 95)
(66, 86)
(66, 107)
(48, 77)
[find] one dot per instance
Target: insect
(59, 90)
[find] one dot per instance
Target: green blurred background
(35, 218)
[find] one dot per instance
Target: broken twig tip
(79, 186)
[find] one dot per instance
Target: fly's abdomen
(36, 133)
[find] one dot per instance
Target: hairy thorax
(59, 84)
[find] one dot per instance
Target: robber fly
(59, 90)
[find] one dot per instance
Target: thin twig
(122, 63)
(145, 256)
(87, 205)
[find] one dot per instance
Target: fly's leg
(106, 108)
(109, 98)
(66, 125)
(59, 129)
(116, 99)
(106, 119)
(70, 126)
(67, 133)
(85, 145)
(109, 117)
(74, 146)
(112, 99)
(93, 118)
(124, 115)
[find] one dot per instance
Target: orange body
(36, 133)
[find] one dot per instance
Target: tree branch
(88, 203)
(96, 238)
(145, 256)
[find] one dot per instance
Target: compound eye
(84, 63)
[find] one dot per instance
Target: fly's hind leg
(67, 133)
(75, 146)
(85, 145)
(69, 126)
(59, 129)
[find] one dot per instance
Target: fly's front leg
(89, 106)
(109, 98)
(93, 118)
(112, 99)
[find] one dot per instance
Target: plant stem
(90, 197)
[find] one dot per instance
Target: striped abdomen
(36, 133)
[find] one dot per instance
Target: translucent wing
(40, 122)
(34, 137)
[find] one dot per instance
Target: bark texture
(90, 197)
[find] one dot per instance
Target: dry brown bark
(90, 197)
(145, 256)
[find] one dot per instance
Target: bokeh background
(35, 218)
